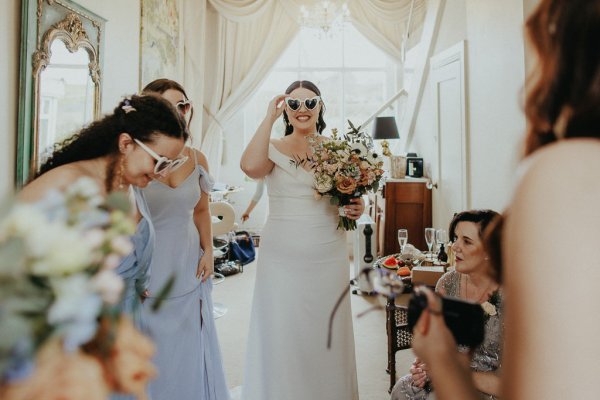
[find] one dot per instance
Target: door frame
(455, 53)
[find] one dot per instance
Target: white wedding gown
(301, 271)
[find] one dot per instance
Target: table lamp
(385, 128)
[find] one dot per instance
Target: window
(354, 76)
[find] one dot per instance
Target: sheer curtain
(384, 22)
(235, 44)
(230, 46)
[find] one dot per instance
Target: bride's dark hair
(313, 88)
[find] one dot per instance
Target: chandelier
(323, 14)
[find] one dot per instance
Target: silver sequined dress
(485, 358)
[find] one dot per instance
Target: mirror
(66, 96)
(60, 77)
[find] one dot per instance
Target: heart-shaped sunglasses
(295, 104)
(184, 106)
(163, 164)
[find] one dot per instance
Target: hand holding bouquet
(344, 168)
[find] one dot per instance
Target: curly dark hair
(492, 243)
(150, 115)
(563, 99)
(313, 88)
(162, 85)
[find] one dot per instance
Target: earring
(121, 186)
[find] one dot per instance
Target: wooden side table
(402, 203)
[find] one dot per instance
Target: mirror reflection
(66, 96)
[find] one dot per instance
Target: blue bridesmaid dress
(135, 269)
(188, 356)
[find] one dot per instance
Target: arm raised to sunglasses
(255, 159)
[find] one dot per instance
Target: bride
(302, 266)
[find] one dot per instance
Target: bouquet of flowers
(344, 168)
(58, 285)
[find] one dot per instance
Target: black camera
(464, 319)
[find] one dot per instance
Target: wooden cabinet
(402, 203)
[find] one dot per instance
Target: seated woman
(469, 281)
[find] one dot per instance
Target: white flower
(359, 148)
(109, 285)
(23, 220)
(58, 250)
(121, 245)
(373, 157)
(94, 237)
(88, 189)
(489, 308)
(323, 183)
(111, 261)
(75, 309)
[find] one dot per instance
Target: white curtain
(241, 40)
(230, 46)
(384, 22)
(194, 21)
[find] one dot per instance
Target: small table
(399, 337)
(221, 195)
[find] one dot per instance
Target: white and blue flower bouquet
(58, 283)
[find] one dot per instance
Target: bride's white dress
(302, 269)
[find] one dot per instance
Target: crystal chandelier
(323, 14)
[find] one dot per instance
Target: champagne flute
(430, 240)
(402, 238)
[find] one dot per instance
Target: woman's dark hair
(162, 85)
(141, 117)
(479, 217)
(492, 243)
(563, 100)
(313, 88)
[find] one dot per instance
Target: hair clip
(127, 107)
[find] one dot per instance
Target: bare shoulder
(58, 179)
(200, 158)
(549, 244)
(549, 223)
(561, 170)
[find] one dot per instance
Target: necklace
(481, 295)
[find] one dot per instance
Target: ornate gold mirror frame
(43, 22)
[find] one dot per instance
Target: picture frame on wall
(161, 40)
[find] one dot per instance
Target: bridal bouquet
(58, 285)
(344, 168)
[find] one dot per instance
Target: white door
(449, 169)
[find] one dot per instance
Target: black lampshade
(385, 128)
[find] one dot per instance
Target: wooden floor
(235, 293)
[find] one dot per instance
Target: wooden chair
(398, 335)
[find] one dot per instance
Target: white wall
(120, 69)
(495, 74)
(451, 30)
(122, 48)
(10, 17)
(233, 146)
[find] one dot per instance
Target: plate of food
(395, 261)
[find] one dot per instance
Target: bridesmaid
(188, 355)
(140, 141)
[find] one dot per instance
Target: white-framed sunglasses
(163, 165)
(295, 104)
(184, 106)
